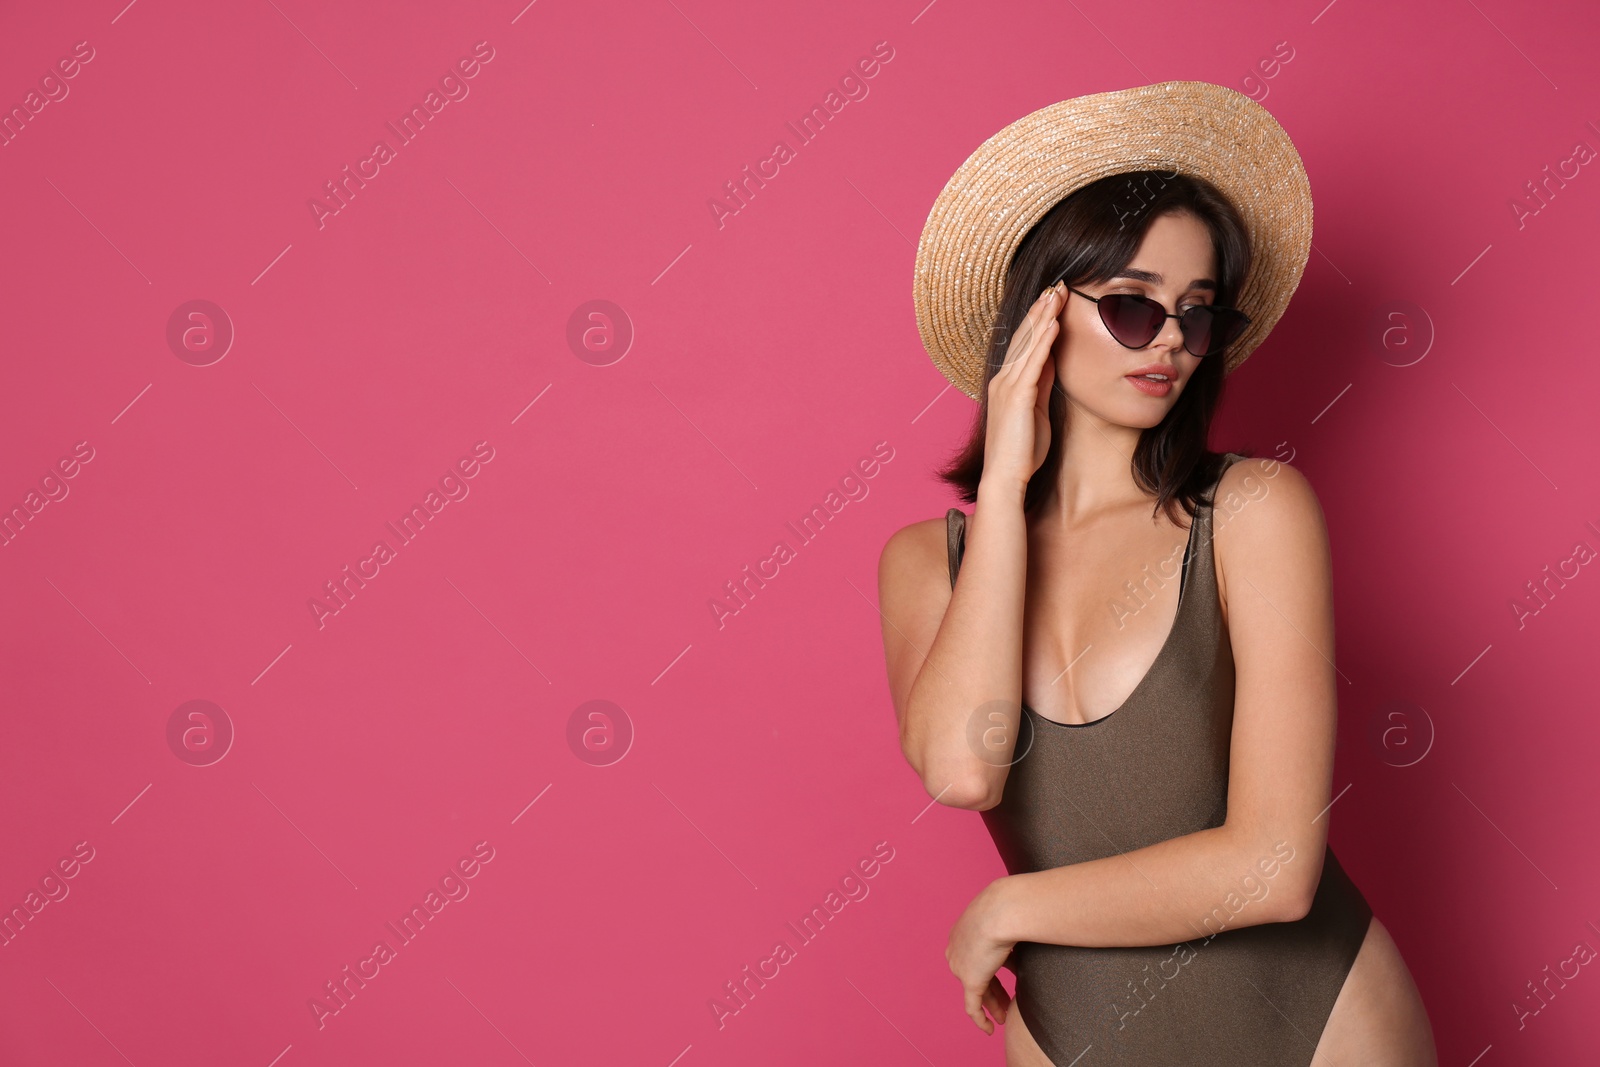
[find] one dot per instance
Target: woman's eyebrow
(1153, 278)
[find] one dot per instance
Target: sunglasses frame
(1148, 300)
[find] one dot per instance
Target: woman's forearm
(962, 712)
(1186, 888)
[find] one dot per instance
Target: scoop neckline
(1184, 586)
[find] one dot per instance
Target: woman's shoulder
(1268, 528)
(915, 551)
(1251, 478)
(1266, 519)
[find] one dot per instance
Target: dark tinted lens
(1208, 330)
(1133, 320)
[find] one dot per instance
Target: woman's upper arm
(1272, 543)
(913, 593)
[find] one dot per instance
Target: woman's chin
(1117, 408)
(1139, 416)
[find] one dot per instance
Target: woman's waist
(1032, 837)
(1138, 993)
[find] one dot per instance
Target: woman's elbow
(952, 782)
(971, 793)
(1297, 894)
(1282, 877)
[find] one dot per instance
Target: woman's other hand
(975, 953)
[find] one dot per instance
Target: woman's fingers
(1018, 434)
(1049, 326)
(975, 997)
(997, 1000)
(1038, 325)
(1030, 351)
(986, 1002)
(1026, 330)
(988, 1005)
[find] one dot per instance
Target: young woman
(1124, 657)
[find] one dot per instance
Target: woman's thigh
(1378, 1019)
(1021, 1049)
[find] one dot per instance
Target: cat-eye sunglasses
(1135, 320)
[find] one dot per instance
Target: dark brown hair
(1086, 238)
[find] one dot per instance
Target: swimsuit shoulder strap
(1201, 566)
(955, 523)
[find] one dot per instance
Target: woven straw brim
(1020, 173)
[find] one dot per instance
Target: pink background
(768, 356)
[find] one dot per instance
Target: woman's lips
(1149, 386)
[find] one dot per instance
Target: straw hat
(1020, 173)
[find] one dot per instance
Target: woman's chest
(1096, 625)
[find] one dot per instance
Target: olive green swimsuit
(1156, 769)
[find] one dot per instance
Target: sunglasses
(1135, 321)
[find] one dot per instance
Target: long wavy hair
(1087, 238)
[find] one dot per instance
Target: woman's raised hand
(1018, 433)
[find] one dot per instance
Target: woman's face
(1175, 266)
